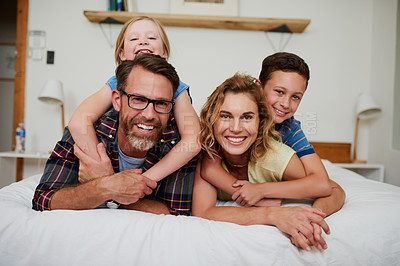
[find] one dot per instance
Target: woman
(237, 126)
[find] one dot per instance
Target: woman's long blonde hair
(119, 45)
(239, 83)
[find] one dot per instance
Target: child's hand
(90, 168)
(248, 194)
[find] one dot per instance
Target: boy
(284, 79)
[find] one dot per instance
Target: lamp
(366, 108)
(53, 93)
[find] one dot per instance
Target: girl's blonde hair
(239, 83)
(119, 45)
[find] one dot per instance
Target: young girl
(237, 126)
(139, 35)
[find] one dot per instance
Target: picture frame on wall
(204, 7)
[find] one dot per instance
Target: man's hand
(128, 186)
(248, 194)
(301, 224)
(90, 168)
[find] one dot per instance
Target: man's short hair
(150, 62)
(286, 62)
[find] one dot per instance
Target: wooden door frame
(21, 45)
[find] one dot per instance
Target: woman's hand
(248, 194)
(90, 168)
(320, 241)
(302, 223)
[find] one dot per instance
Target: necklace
(236, 165)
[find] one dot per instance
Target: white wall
(396, 98)
(340, 46)
(382, 89)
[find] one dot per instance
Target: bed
(365, 232)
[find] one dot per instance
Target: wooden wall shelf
(209, 22)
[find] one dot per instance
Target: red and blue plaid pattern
(62, 167)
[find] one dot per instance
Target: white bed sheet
(365, 232)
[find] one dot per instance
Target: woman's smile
(235, 140)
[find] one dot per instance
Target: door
(8, 29)
(14, 28)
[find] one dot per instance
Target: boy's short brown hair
(286, 62)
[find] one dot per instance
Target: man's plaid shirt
(62, 167)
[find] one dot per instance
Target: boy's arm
(188, 147)
(314, 184)
(212, 172)
(316, 180)
(250, 194)
(296, 184)
(315, 171)
(81, 122)
(332, 203)
(297, 187)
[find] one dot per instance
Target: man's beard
(137, 141)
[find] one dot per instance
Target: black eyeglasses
(138, 102)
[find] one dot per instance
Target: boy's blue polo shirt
(293, 136)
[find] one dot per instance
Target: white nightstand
(370, 171)
(19, 158)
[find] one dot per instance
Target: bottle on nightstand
(20, 138)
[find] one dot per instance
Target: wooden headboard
(334, 152)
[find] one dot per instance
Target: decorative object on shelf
(53, 93)
(130, 6)
(120, 5)
(117, 5)
(366, 108)
(204, 7)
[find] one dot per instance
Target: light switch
(50, 57)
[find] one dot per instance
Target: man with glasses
(134, 135)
